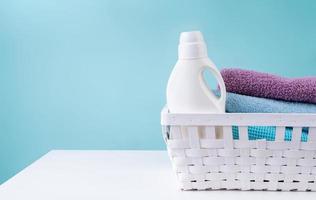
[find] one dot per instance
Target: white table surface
(107, 175)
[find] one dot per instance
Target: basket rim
(238, 119)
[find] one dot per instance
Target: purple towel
(266, 85)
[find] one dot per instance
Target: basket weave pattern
(206, 157)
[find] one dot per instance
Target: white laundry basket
(205, 156)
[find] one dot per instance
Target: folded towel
(237, 103)
(266, 85)
(268, 133)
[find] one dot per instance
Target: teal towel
(268, 133)
(237, 103)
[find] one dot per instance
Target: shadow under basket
(217, 151)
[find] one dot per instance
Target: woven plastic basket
(205, 156)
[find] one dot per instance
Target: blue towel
(237, 103)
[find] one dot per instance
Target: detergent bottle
(187, 90)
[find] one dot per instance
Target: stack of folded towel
(256, 92)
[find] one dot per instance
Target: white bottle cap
(192, 45)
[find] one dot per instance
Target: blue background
(91, 74)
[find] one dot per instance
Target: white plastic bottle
(187, 91)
